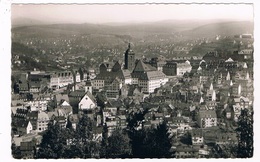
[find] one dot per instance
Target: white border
(5, 66)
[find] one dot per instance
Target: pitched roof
(65, 103)
(35, 84)
(197, 132)
(141, 67)
(27, 146)
(61, 96)
(229, 60)
(33, 114)
(207, 113)
(43, 116)
(91, 97)
(77, 93)
(22, 123)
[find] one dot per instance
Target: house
(64, 109)
(86, 73)
(211, 95)
(182, 68)
(207, 118)
(112, 88)
(230, 64)
(23, 87)
(87, 104)
(211, 105)
(244, 102)
(186, 151)
(75, 97)
(61, 97)
(236, 90)
(228, 112)
(157, 62)
(61, 121)
(246, 53)
(197, 136)
(74, 119)
(109, 111)
(226, 138)
(28, 149)
(64, 78)
(147, 77)
(182, 123)
(42, 121)
(35, 86)
(236, 112)
(37, 105)
(32, 116)
(121, 121)
(24, 127)
(170, 68)
(27, 138)
(97, 134)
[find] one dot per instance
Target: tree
(151, 142)
(186, 139)
(162, 141)
(245, 135)
(83, 137)
(53, 142)
(104, 142)
(136, 136)
(157, 143)
(118, 145)
(16, 152)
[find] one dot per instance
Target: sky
(98, 13)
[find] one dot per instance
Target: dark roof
(27, 146)
(77, 93)
(114, 103)
(142, 67)
(33, 114)
(74, 118)
(97, 130)
(88, 83)
(22, 123)
(186, 148)
(62, 96)
(60, 118)
(35, 84)
(90, 96)
(24, 86)
(207, 113)
(197, 132)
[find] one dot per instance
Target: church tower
(88, 85)
(129, 59)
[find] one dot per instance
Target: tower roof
(129, 50)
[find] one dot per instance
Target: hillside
(225, 28)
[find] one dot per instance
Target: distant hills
(222, 28)
(191, 28)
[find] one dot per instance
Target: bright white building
(87, 102)
(147, 77)
(62, 79)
